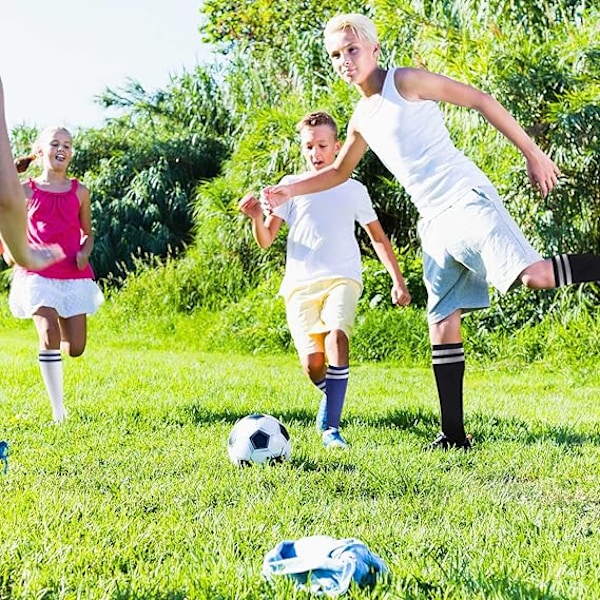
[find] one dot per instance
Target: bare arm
(264, 229)
(13, 214)
(385, 253)
(348, 157)
(417, 84)
(85, 222)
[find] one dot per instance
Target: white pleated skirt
(70, 297)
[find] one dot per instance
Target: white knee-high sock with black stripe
(449, 370)
(575, 268)
(52, 374)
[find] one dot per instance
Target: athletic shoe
(442, 442)
(333, 439)
(321, 422)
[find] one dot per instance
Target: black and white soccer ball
(258, 439)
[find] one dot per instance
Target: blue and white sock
(337, 384)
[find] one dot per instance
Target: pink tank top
(53, 218)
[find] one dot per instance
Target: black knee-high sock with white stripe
(575, 268)
(449, 368)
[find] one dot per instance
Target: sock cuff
(443, 354)
(575, 268)
(338, 372)
(322, 384)
(563, 274)
(49, 356)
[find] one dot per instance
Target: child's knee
(538, 276)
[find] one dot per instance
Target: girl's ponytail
(22, 163)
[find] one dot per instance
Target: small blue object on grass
(323, 565)
(4, 455)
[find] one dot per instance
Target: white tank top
(411, 140)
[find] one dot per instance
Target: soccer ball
(258, 439)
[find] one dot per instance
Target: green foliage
(541, 61)
(142, 189)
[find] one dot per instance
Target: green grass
(134, 497)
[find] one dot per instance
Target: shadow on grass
(417, 588)
(423, 423)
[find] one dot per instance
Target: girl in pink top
(59, 297)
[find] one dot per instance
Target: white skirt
(70, 297)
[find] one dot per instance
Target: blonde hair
(314, 119)
(45, 133)
(362, 26)
(23, 162)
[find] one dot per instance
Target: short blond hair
(362, 26)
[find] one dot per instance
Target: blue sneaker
(333, 439)
(321, 422)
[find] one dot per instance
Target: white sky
(56, 56)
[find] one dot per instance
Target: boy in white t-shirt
(469, 240)
(323, 281)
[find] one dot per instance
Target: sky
(56, 56)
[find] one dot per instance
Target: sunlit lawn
(134, 497)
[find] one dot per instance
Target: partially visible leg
(337, 349)
(448, 359)
(46, 322)
(338, 314)
(558, 271)
(315, 367)
(73, 331)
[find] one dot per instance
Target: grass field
(134, 497)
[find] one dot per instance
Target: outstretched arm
(417, 84)
(349, 156)
(385, 253)
(13, 216)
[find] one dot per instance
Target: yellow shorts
(316, 309)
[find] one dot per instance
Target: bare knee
(337, 347)
(446, 331)
(539, 276)
(314, 366)
(48, 331)
(72, 349)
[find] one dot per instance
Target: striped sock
(337, 384)
(449, 369)
(321, 385)
(575, 268)
(52, 374)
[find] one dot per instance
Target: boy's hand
(250, 206)
(542, 172)
(275, 195)
(400, 294)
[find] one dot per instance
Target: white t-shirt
(321, 242)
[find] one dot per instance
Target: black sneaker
(442, 442)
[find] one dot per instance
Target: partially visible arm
(417, 84)
(13, 214)
(385, 253)
(349, 156)
(264, 230)
(85, 223)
